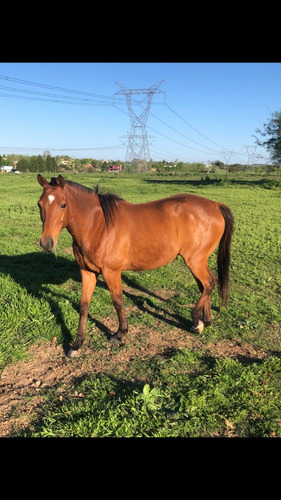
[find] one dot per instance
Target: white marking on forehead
(51, 198)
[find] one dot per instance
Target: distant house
(115, 168)
(7, 169)
(209, 168)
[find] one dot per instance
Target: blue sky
(208, 111)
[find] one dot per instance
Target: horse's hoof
(199, 328)
(207, 323)
(114, 340)
(72, 353)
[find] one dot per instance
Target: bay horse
(111, 235)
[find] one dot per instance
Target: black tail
(224, 254)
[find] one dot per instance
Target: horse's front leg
(114, 283)
(89, 280)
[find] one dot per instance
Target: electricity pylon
(251, 152)
(137, 139)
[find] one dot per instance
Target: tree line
(35, 163)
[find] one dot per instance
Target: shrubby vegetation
(47, 163)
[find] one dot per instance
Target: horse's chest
(84, 260)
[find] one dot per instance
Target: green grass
(178, 393)
(193, 395)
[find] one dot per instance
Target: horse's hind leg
(206, 291)
(201, 314)
(206, 280)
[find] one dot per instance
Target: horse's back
(154, 233)
(174, 209)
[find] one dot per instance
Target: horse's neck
(85, 214)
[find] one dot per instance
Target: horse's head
(53, 211)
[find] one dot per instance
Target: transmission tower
(251, 152)
(137, 139)
(227, 156)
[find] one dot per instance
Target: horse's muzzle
(47, 245)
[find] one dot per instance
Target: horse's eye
(63, 205)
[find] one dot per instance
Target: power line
(138, 122)
(167, 137)
(168, 154)
(47, 97)
(189, 124)
(52, 87)
(180, 143)
(54, 100)
(77, 100)
(183, 135)
(225, 153)
(118, 146)
(88, 99)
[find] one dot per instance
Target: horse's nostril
(47, 245)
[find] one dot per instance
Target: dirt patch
(24, 385)
(21, 385)
(244, 353)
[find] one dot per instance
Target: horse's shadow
(158, 309)
(36, 270)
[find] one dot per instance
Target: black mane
(108, 203)
(107, 200)
(79, 186)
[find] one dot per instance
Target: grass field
(164, 381)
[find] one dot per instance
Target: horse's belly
(150, 255)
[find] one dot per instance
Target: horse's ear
(42, 181)
(60, 181)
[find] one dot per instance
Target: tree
(23, 164)
(272, 133)
(218, 163)
(48, 162)
(33, 163)
(40, 164)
